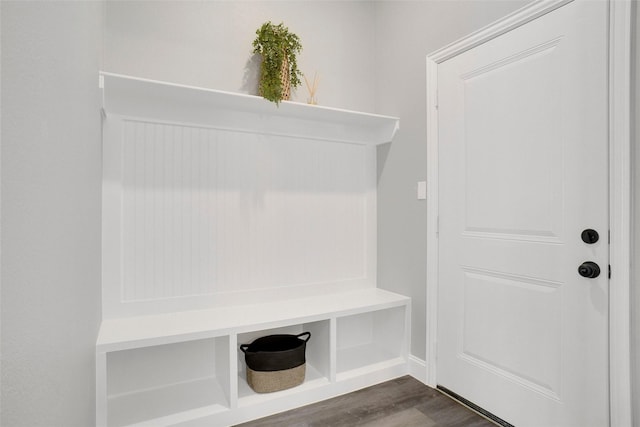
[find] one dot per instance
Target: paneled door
(523, 221)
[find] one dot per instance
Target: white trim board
(417, 368)
(620, 190)
(620, 212)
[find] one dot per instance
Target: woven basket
(270, 381)
(276, 362)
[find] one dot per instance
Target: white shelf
(247, 397)
(142, 98)
(364, 357)
(166, 405)
(389, 365)
(144, 331)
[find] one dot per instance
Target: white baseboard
(418, 368)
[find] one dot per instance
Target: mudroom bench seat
(182, 367)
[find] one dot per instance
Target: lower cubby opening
(317, 361)
(369, 340)
(176, 381)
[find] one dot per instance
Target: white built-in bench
(358, 338)
(226, 218)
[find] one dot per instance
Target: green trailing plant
(277, 46)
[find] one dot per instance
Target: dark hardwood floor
(403, 402)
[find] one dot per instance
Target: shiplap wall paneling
(207, 212)
(169, 199)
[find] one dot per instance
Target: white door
(523, 170)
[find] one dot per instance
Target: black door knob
(590, 236)
(589, 269)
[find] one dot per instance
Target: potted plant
(279, 69)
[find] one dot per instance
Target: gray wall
(51, 178)
(406, 31)
(208, 44)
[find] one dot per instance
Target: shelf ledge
(195, 106)
(144, 331)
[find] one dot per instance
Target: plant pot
(285, 79)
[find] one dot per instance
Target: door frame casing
(620, 408)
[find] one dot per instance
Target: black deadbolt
(589, 269)
(590, 236)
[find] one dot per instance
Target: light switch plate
(422, 190)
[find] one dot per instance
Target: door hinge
(609, 271)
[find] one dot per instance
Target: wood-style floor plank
(402, 402)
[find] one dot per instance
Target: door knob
(589, 236)
(589, 269)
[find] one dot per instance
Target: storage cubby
(369, 339)
(317, 357)
(151, 383)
